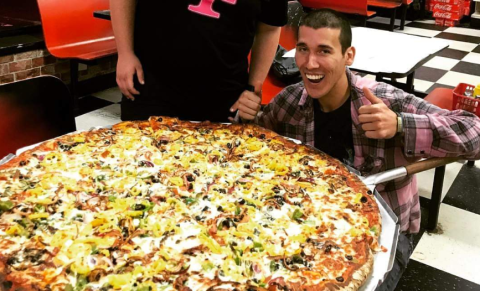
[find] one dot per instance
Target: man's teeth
(315, 77)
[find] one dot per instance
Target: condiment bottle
(476, 92)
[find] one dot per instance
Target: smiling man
(368, 125)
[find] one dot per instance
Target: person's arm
(123, 19)
(280, 108)
(428, 131)
(263, 51)
(266, 117)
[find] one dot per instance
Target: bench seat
(384, 4)
(87, 51)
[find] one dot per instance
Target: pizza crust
(360, 276)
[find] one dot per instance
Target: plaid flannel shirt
(429, 131)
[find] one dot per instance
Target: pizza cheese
(171, 205)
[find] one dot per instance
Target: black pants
(402, 256)
(160, 98)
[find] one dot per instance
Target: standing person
(368, 125)
(188, 58)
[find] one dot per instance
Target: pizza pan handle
(373, 180)
(429, 164)
(417, 167)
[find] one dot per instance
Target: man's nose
(312, 61)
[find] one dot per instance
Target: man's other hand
(247, 105)
(378, 121)
(127, 66)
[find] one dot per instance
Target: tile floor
(449, 258)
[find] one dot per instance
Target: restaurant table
(393, 55)
(102, 14)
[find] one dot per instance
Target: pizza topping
(162, 206)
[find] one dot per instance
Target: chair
(392, 5)
(443, 98)
(357, 7)
(72, 32)
(32, 111)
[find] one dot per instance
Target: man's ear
(350, 56)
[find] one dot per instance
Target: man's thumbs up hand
(378, 121)
(372, 98)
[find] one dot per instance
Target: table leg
(74, 82)
(404, 15)
(410, 79)
(436, 200)
(408, 87)
(422, 9)
(471, 163)
(392, 19)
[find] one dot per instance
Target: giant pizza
(172, 205)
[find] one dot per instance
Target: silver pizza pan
(7, 158)
(383, 261)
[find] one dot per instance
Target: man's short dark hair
(331, 19)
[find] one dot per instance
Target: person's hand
(378, 121)
(247, 105)
(128, 65)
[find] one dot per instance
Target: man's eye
(302, 49)
(325, 51)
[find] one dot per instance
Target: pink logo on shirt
(205, 8)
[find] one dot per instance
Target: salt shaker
(468, 91)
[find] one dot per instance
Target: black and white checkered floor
(448, 259)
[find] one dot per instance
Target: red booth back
(345, 6)
(70, 25)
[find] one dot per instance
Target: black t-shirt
(333, 131)
(195, 52)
